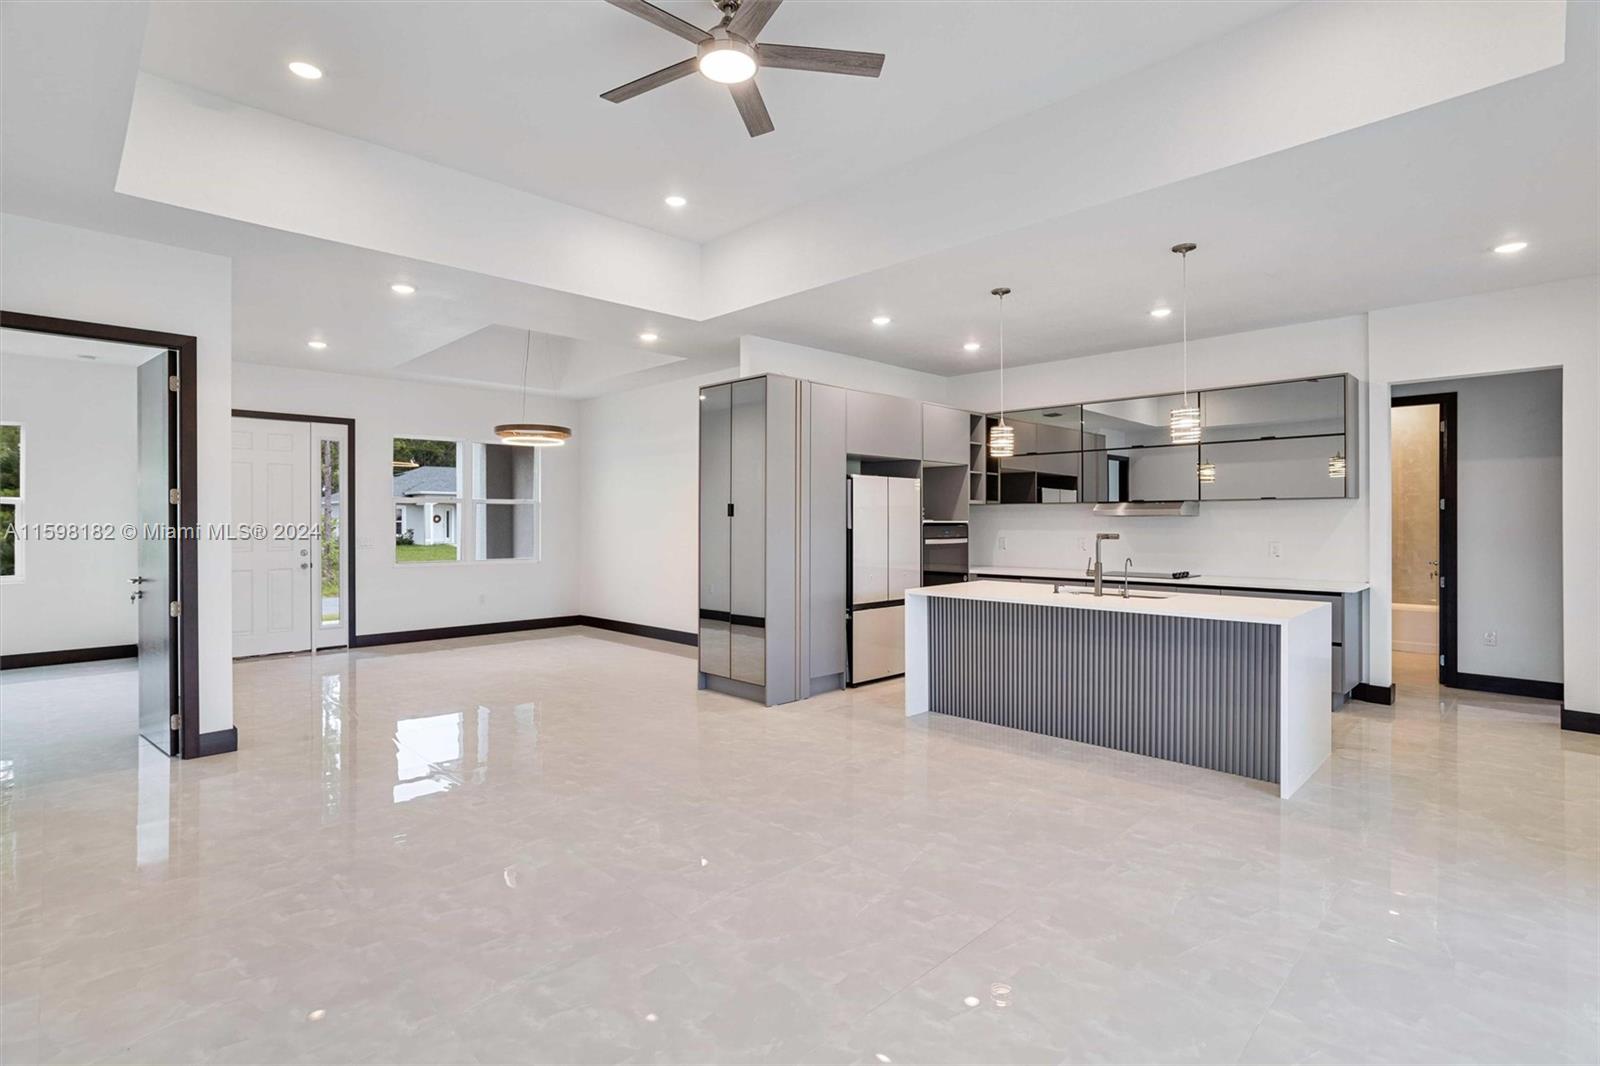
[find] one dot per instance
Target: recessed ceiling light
(971, 346)
(400, 288)
(308, 71)
(881, 320)
(316, 345)
(1160, 312)
(649, 338)
(676, 201)
(1510, 247)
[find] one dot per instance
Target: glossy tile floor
(554, 849)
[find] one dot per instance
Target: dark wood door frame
(1448, 587)
(347, 507)
(186, 687)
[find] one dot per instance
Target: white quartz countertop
(1176, 604)
(1270, 584)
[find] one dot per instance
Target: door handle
(139, 595)
(138, 580)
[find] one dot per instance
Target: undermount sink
(1117, 595)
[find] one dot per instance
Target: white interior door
(272, 550)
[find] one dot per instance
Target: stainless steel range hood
(1157, 508)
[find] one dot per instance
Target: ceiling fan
(728, 53)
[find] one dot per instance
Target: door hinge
(1441, 581)
(175, 609)
(175, 723)
(172, 497)
(1441, 660)
(1441, 503)
(172, 383)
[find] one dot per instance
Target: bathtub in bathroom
(1416, 627)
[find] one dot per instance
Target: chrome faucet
(1127, 564)
(1099, 569)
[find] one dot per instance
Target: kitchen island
(1240, 685)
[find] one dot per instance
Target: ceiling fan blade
(665, 19)
(651, 81)
(827, 60)
(752, 108)
(752, 17)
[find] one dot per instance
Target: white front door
(289, 581)
(271, 549)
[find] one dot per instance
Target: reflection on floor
(553, 848)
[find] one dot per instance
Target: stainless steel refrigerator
(884, 518)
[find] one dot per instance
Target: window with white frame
(427, 500)
(10, 499)
(505, 498)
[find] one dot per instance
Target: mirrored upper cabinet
(1284, 440)
(1048, 429)
(1313, 407)
(1142, 422)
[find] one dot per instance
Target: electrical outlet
(1274, 549)
(1491, 639)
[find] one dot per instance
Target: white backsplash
(1324, 539)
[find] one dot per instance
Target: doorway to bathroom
(1422, 451)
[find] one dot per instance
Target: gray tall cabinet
(771, 625)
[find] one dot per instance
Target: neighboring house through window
(10, 500)
(427, 498)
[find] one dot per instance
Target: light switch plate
(1491, 639)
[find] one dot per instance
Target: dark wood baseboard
(1379, 694)
(216, 742)
(1580, 721)
(24, 660)
(1510, 686)
(480, 629)
(485, 629)
(675, 636)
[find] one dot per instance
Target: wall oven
(944, 552)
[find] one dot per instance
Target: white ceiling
(510, 92)
(1397, 212)
(1392, 212)
(55, 346)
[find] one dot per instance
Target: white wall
(761, 355)
(1315, 538)
(394, 597)
(640, 473)
(80, 466)
(1555, 325)
(1508, 478)
(64, 272)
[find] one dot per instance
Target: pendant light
(1184, 422)
(1002, 438)
(531, 434)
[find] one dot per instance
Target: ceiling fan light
(532, 435)
(727, 61)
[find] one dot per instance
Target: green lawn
(423, 553)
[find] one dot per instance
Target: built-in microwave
(944, 552)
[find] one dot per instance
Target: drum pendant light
(1184, 422)
(527, 434)
(1002, 438)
